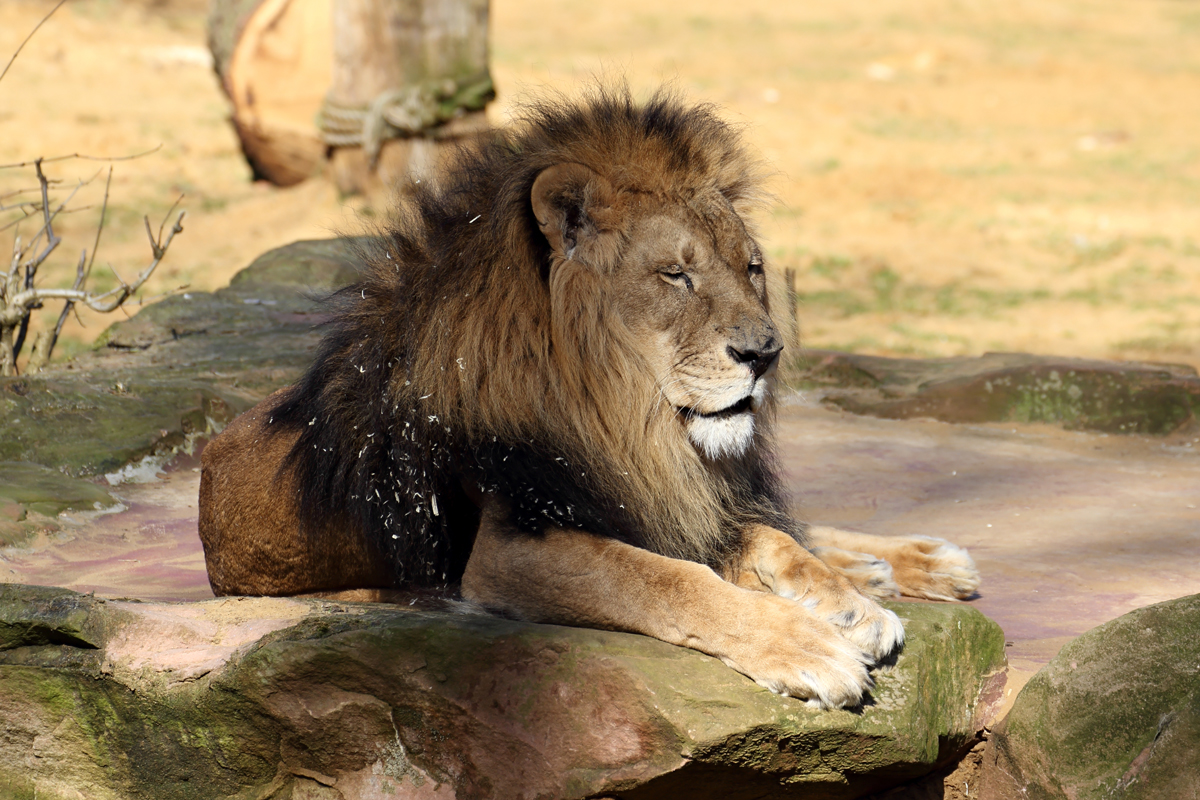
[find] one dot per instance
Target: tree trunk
(275, 61)
(410, 79)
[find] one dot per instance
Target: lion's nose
(759, 357)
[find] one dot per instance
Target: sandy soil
(953, 177)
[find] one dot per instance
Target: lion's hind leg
(921, 566)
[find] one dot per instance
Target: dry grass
(953, 176)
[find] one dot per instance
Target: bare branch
(36, 208)
(43, 347)
(154, 246)
(167, 216)
(83, 157)
(16, 263)
(15, 193)
(103, 303)
(30, 36)
(19, 294)
(145, 301)
(62, 207)
(52, 242)
(103, 216)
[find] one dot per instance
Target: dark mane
(441, 366)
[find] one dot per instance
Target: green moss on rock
(1116, 714)
(1113, 397)
(353, 696)
(46, 615)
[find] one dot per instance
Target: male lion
(553, 387)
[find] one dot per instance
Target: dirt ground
(953, 176)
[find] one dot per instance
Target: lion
(552, 393)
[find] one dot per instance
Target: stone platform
(1070, 528)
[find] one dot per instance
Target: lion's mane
(465, 353)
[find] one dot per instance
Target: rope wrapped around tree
(395, 113)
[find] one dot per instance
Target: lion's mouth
(740, 407)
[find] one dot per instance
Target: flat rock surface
(1076, 393)
(282, 698)
(1069, 529)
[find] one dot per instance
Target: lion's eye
(675, 275)
(755, 267)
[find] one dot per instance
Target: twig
(62, 207)
(16, 261)
(145, 301)
(30, 36)
(103, 303)
(103, 215)
(52, 242)
(36, 208)
(69, 156)
(41, 355)
(14, 193)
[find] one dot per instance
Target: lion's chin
(723, 436)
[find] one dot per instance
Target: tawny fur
(473, 352)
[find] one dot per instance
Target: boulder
(31, 496)
(178, 370)
(1076, 393)
(1115, 715)
(271, 698)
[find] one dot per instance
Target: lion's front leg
(575, 578)
(921, 566)
(773, 561)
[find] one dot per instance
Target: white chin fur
(722, 437)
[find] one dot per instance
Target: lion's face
(691, 286)
(688, 282)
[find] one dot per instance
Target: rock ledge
(279, 698)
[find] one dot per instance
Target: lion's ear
(569, 200)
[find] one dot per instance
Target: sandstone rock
(98, 423)
(1115, 715)
(32, 495)
(1080, 394)
(281, 698)
(178, 369)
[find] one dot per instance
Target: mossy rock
(1116, 714)
(1078, 394)
(31, 489)
(180, 368)
(97, 423)
(257, 698)
(276, 288)
(33, 616)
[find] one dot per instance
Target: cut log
(275, 62)
(410, 82)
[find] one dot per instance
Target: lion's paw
(834, 679)
(796, 654)
(934, 569)
(870, 575)
(870, 626)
